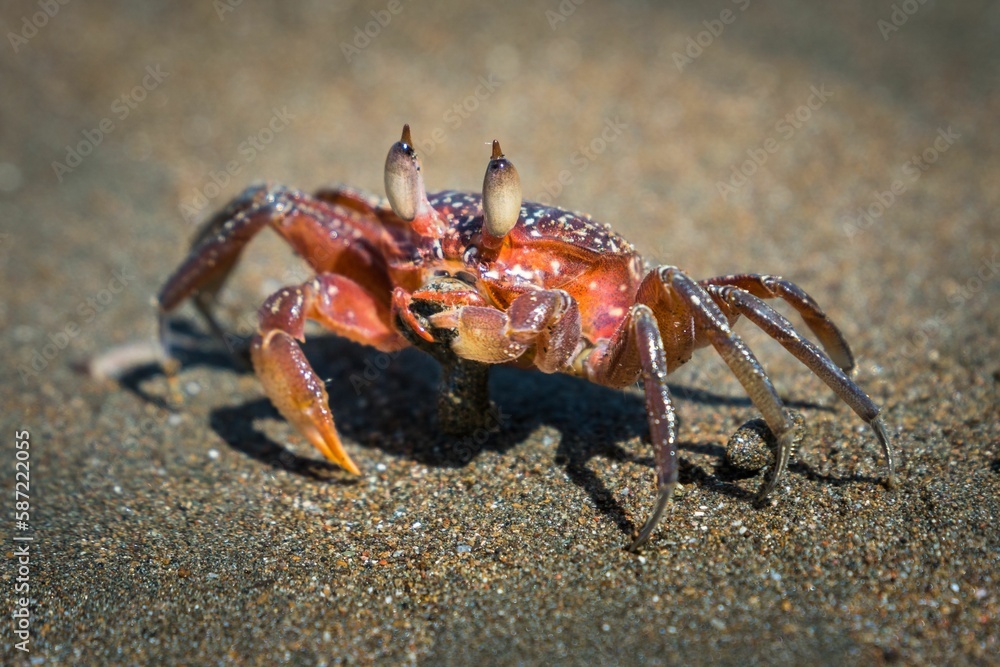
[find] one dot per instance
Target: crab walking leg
(216, 248)
(711, 322)
(549, 320)
(333, 234)
(775, 287)
(636, 349)
(780, 329)
(339, 304)
(214, 252)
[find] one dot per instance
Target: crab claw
(299, 395)
(404, 186)
(501, 198)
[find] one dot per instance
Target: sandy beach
(850, 148)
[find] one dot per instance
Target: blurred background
(849, 146)
(637, 113)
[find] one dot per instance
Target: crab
(482, 279)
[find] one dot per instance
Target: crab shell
(549, 249)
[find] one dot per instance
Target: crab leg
(711, 324)
(635, 349)
(335, 234)
(339, 304)
(774, 287)
(214, 252)
(216, 248)
(780, 329)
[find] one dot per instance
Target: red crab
(480, 280)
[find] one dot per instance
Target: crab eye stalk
(501, 198)
(404, 185)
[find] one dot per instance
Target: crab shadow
(388, 402)
(191, 348)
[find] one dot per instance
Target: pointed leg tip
(636, 545)
(350, 467)
(329, 445)
(663, 497)
(879, 427)
(338, 456)
(175, 396)
(764, 495)
(171, 366)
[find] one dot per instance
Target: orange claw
(299, 395)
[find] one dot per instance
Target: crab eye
(403, 182)
(501, 195)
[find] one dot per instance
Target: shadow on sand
(388, 402)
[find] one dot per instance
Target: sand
(842, 147)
